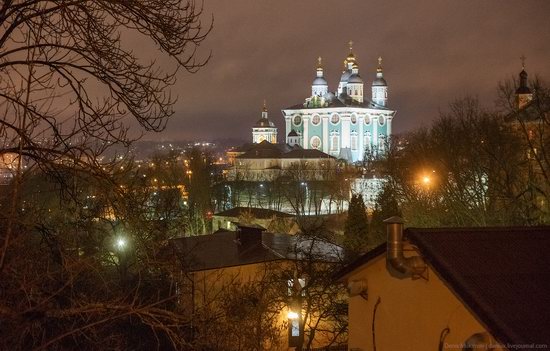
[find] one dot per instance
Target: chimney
(249, 235)
(412, 266)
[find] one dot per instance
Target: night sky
(433, 52)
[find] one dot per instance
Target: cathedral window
(367, 141)
(354, 142)
(316, 120)
(367, 120)
(334, 142)
(335, 119)
(297, 120)
(381, 120)
(315, 142)
(381, 143)
(353, 119)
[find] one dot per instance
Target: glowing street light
(292, 315)
(121, 244)
(426, 180)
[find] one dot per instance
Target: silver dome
(379, 82)
(345, 76)
(355, 78)
(319, 81)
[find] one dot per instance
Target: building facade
(264, 129)
(344, 124)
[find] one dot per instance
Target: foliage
(76, 235)
(356, 229)
(473, 167)
(386, 206)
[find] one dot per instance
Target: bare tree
(69, 90)
(470, 168)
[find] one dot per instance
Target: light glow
(120, 243)
(292, 315)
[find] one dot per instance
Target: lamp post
(427, 180)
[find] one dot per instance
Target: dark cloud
(434, 51)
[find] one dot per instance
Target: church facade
(345, 123)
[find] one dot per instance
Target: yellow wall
(411, 314)
(209, 283)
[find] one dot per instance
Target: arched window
(367, 141)
(354, 141)
(315, 142)
(316, 120)
(381, 143)
(335, 119)
(334, 142)
(297, 120)
(367, 120)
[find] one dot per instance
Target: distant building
(459, 288)
(213, 264)
(530, 120)
(266, 161)
(344, 124)
(269, 219)
(524, 95)
(264, 129)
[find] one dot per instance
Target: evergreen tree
(386, 206)
(357, 226)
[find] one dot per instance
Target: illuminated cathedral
(345, 124)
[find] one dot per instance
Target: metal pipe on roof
(412, 266)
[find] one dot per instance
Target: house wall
(411, 314)
(208, 284)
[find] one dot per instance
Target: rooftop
(260, 213)
(502, 274)
(225, 249)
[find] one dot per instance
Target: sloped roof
(305, 153)
(264, 122)
(265, 149)
(502, 274)
(260, 213)
(242, 148)
(222, 250)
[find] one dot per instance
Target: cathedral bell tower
(264, 129)
(380, 87)
(523, 93)
(319, 87)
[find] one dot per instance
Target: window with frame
(334, 142)
(381, 143)
(367, 120)
(315, 142)
(316, 120)
(297, 120)
(354, 142)
(335, 119)
(296, 288)
(367, 141)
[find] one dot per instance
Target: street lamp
(121, 244)
(426, 180)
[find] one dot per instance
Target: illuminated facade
(344, 124)
(264, 129)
